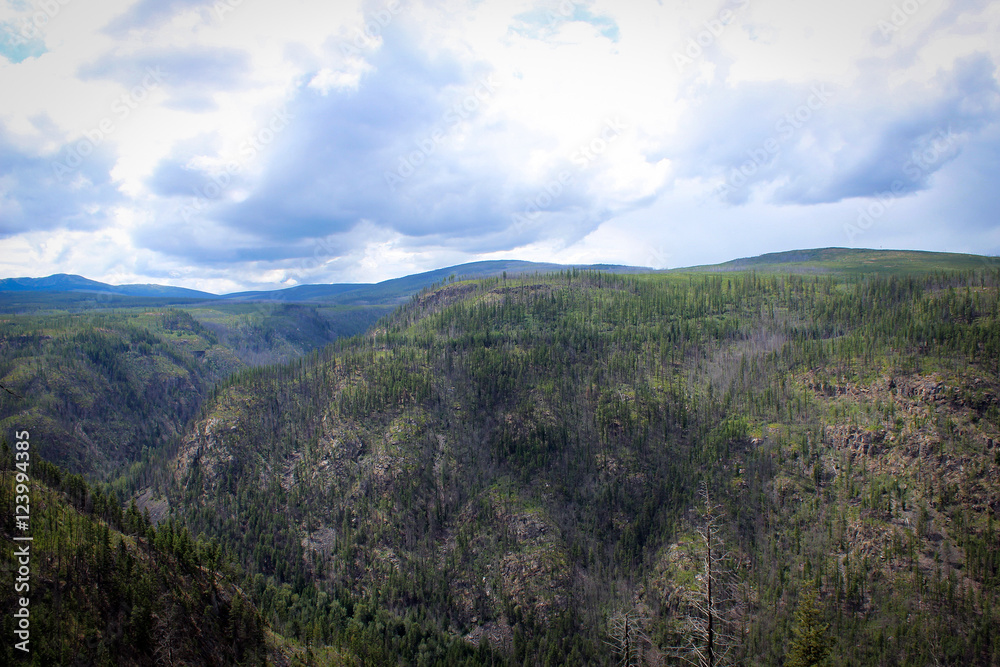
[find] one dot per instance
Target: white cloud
(373, 84)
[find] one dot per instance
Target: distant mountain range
(73, 288)
(64, 282)
(391, 291)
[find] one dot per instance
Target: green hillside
(849, 261)
(99, 388)
(513, 467)
(106, 587)
(105, 389)
(526, 469)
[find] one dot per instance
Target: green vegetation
(854, 262)
(515, 459)
(98, 389)
(502, 470)
(109, 588)
(107, 389)
(811, 645)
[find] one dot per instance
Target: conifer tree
(812, 643)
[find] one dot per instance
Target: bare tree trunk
(627, 638)
(710, 606)
(708, 640)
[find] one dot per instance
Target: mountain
(533, 465)
(62, 289)
(108, 587)
(100, 389)
(850, 261)
(577, 467)
(62, 282)
(104, 388)
(299, 294)
(398, 289)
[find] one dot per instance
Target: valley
(502, 468)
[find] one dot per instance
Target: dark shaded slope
(108, 588)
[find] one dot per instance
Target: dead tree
(709, 637)
(168, 633)
(627, 638)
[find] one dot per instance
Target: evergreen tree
(812, 643)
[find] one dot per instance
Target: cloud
(192, 76)
(69, 189)
(177, 179)
(147, 14)
(179, 174)
(395, 153)
(339, 140)
(205, 243)
(907, 146)
(814, 144)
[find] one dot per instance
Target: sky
(225, 145)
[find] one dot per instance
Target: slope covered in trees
(504, 469)
(99, 388)
(106, 389)
(106, 587)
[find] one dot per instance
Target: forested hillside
(109, 588)
(104, 389)
(98, 388)
(537, 471)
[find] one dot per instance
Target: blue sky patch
(15, 46)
